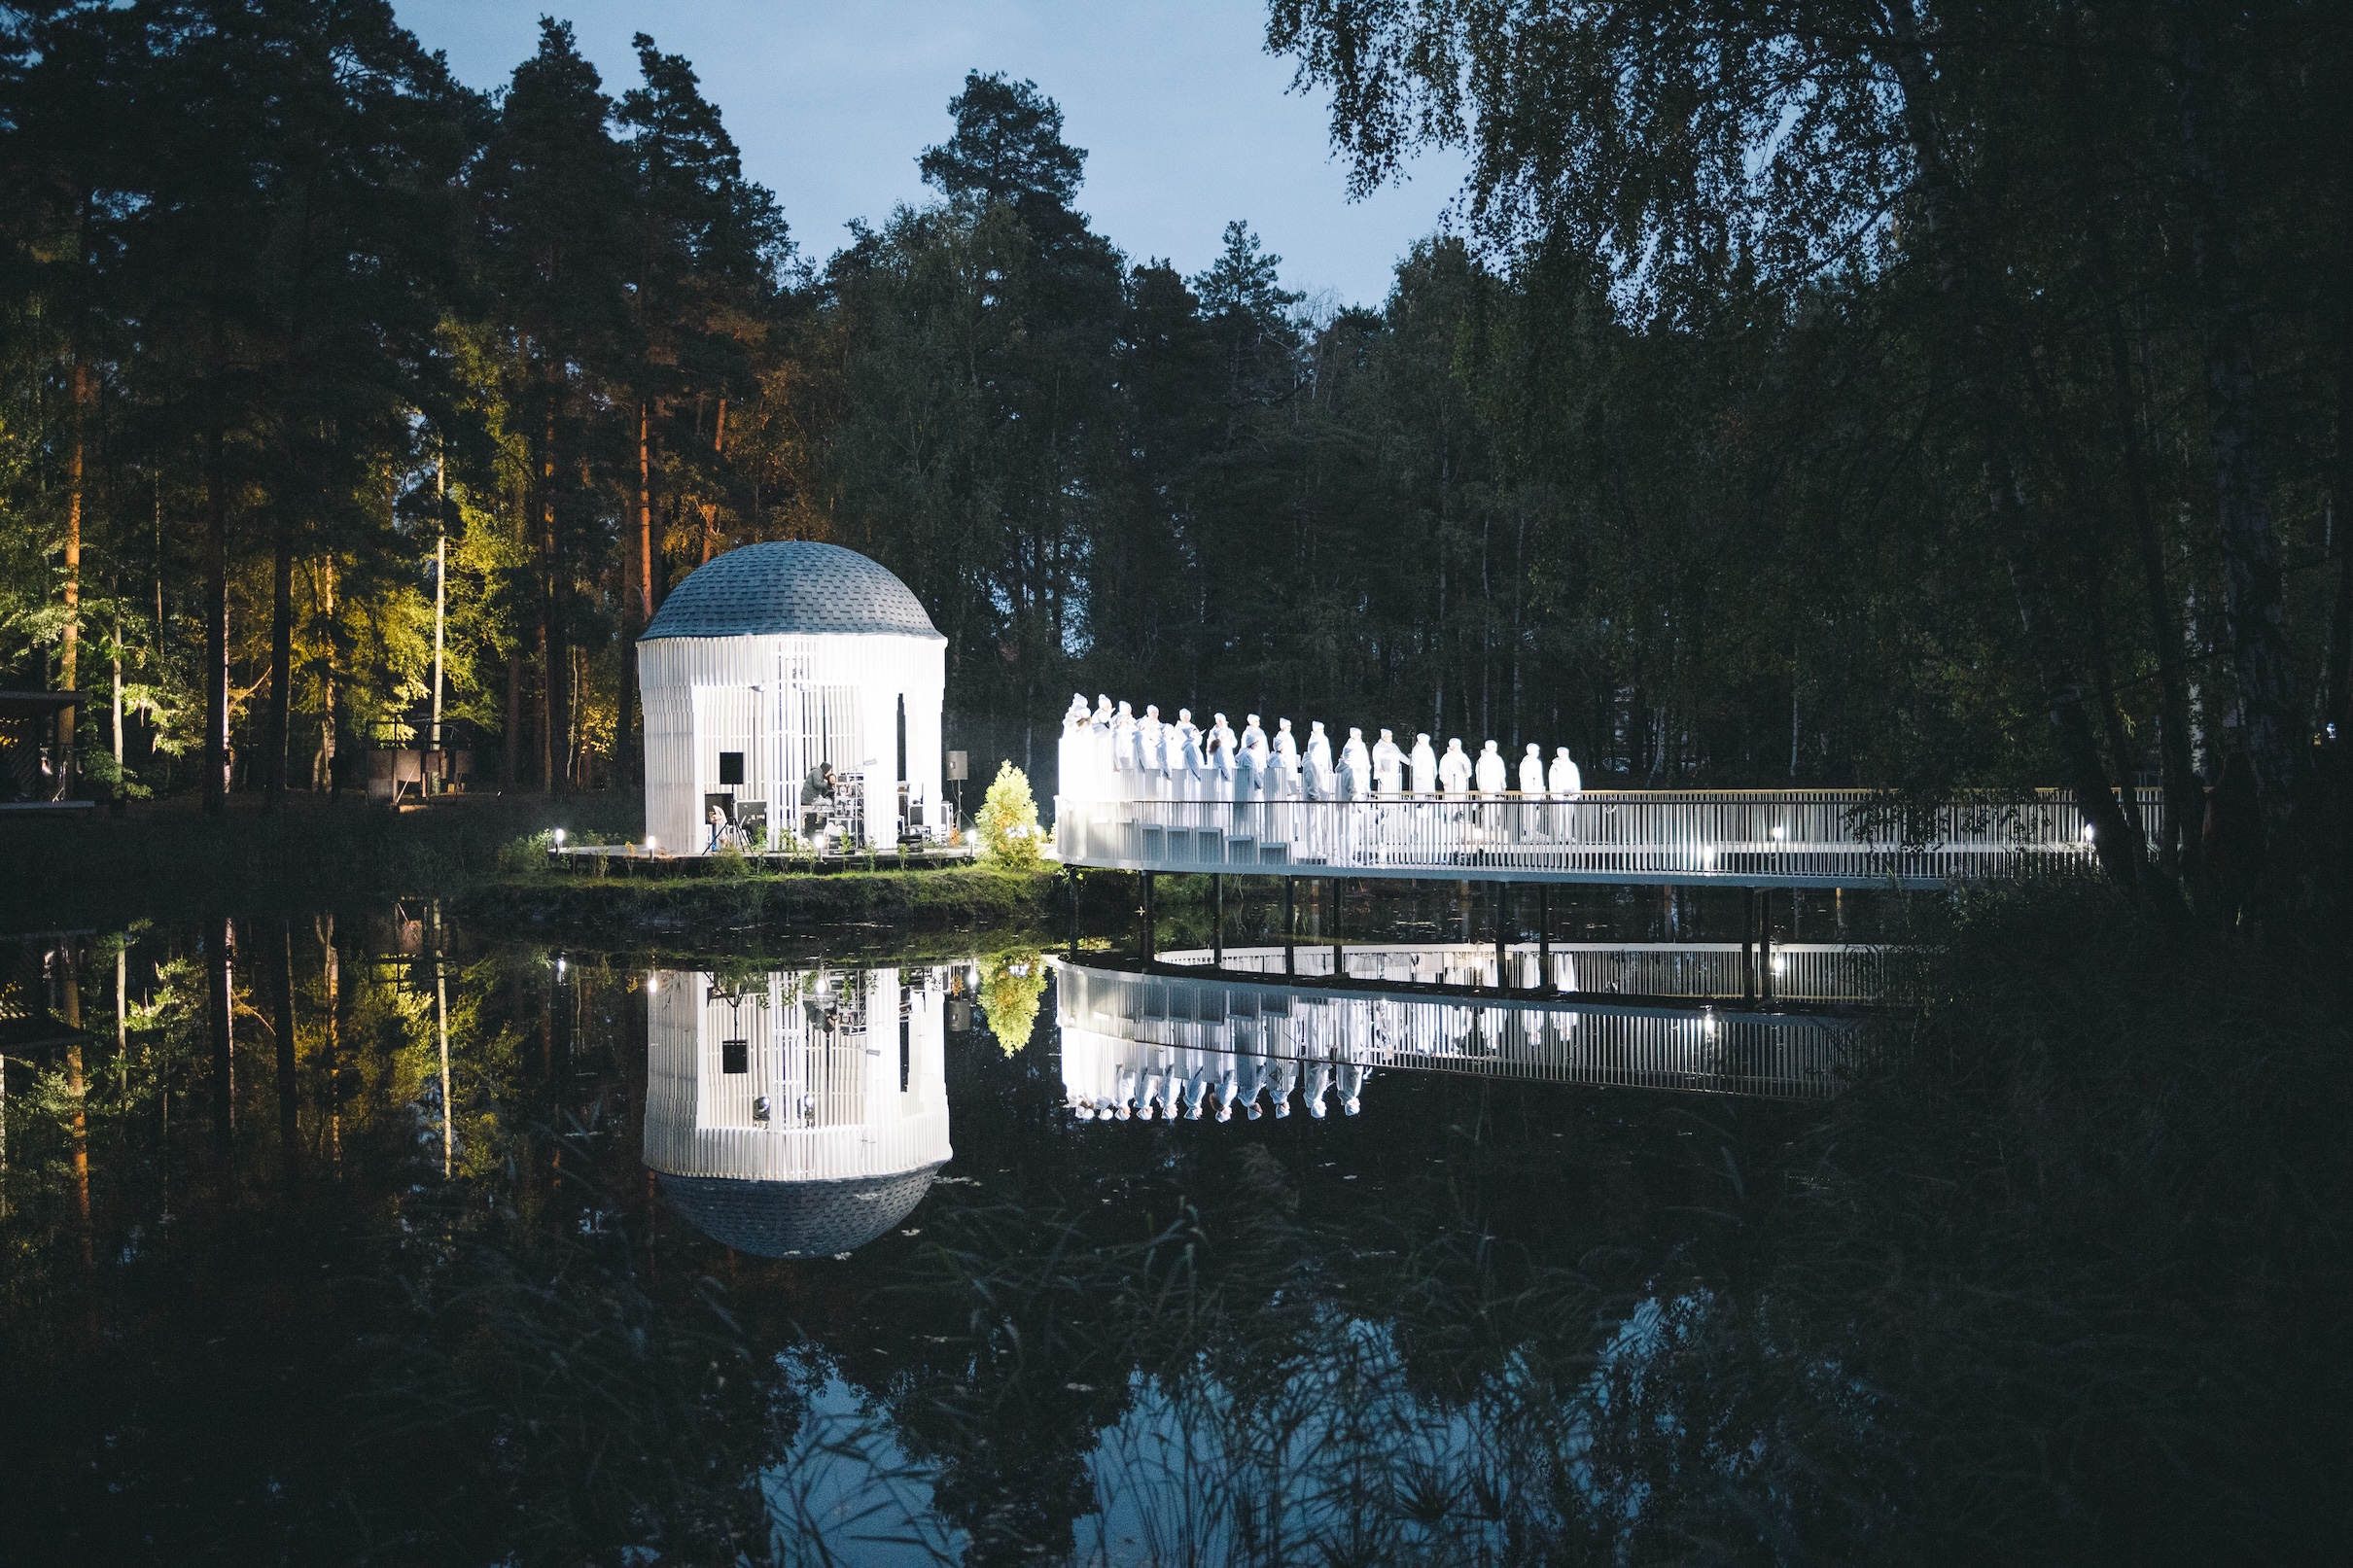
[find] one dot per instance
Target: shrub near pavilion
(1008, 821)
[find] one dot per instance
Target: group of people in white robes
(1175, 1082)
(1108, 753)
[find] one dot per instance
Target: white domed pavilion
(773, 661)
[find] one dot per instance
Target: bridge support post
(1503, 954)
(1217, 919)
(1145, 938)
(1339, 958)
(1748, 943)
(1544, 936)
(1290, 925)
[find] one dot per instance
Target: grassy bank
(169, 855)
(709, 910)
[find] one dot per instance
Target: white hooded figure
(1564, 779)
(1389, 765)
(1252, 734)
(1322, 784)
(1564, 782)
(1249, 774)
(1493, 775)
(1186, 727)
(1351, 1087)
(1102, 751)
(1191, 767)
(1229, 1087)
(1286, 745)
(1286, 1079)
(1219, 769)
(1223, 732)
(1071, 753)
(1355, 767)
(1149, 769)
(1123, 755)
(1425, 766)
(1319, 1085)
(1454, 769)
(1532, 771)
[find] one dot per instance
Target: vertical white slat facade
(852, 1067)
(785, 702)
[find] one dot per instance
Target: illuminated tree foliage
(1906, 395)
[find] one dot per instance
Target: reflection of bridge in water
(1139, 1042)
(1754, 838)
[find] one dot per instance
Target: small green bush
(1008, 821)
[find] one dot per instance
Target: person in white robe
(1491, 774)
(1123, 755)
(1286, 745)
(1564, 784)
(1069, 752)
(1193, 780)
(1351, 1086)
(1148, 753)
(1319, 1085)
(1322, 782)
(1102, 753)
(1252, 734)
(1185, 725)
(1454, 769)
(1426, 767)
(1389, 765)
(1355, 767)
(1286, 1079)
(1532, 771)
(1220, 730)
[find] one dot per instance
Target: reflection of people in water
(1319, 1084)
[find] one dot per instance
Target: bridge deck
(1762, 838)
(1123, 1030)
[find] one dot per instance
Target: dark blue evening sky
(1187, 120)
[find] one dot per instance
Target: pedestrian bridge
(1752, 838)
(1139, 1042)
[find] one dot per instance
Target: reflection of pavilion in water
(1140, 1045)
(798, 1113)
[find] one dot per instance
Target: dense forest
(1851, 392)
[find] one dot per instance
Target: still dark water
(366, 1237)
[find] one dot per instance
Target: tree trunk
(552, 658)
(69, 649)
(2256, 611)
(282, 1025)
(216, 619)
(281, 666)
(2185, 797)
(2062, 693)
(637, 608)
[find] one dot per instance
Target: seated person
(815, 790)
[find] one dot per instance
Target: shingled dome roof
(797, 589)
(798, 1219)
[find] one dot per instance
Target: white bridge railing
(1131, 1039)
(1753, 837)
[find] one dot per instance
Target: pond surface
(367, 1236)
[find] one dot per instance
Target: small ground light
(1781, 832)
(648, 844)
(559, 967)
(559, 838)
(2086, 832)
(653, 982)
